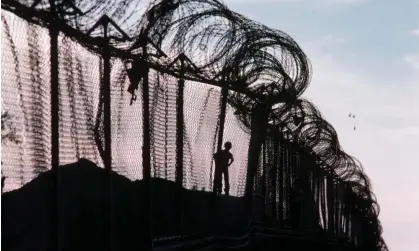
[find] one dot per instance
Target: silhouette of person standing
(223, 159)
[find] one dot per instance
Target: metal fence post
(140, 71)
(330, 198)
(105, 21)
(55, 110)
(180, 121)
(223, 109)
(274, 178)
(148, 245)
(259, 123)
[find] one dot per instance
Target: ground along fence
(65, 93)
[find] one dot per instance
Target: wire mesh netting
(201, 109)
(79, 87)
(25, 95)
(322, 199)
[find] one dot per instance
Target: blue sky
(376, 31)
(365, 58)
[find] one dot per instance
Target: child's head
(227, 145)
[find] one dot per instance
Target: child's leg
(226, 182)
(217, 181)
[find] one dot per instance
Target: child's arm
(231, 160)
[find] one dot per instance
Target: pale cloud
(415, 32)
(412, 60)
(387, 136)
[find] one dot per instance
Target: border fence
(152, 97)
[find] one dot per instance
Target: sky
(365, 59)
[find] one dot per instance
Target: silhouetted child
(223, 159)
